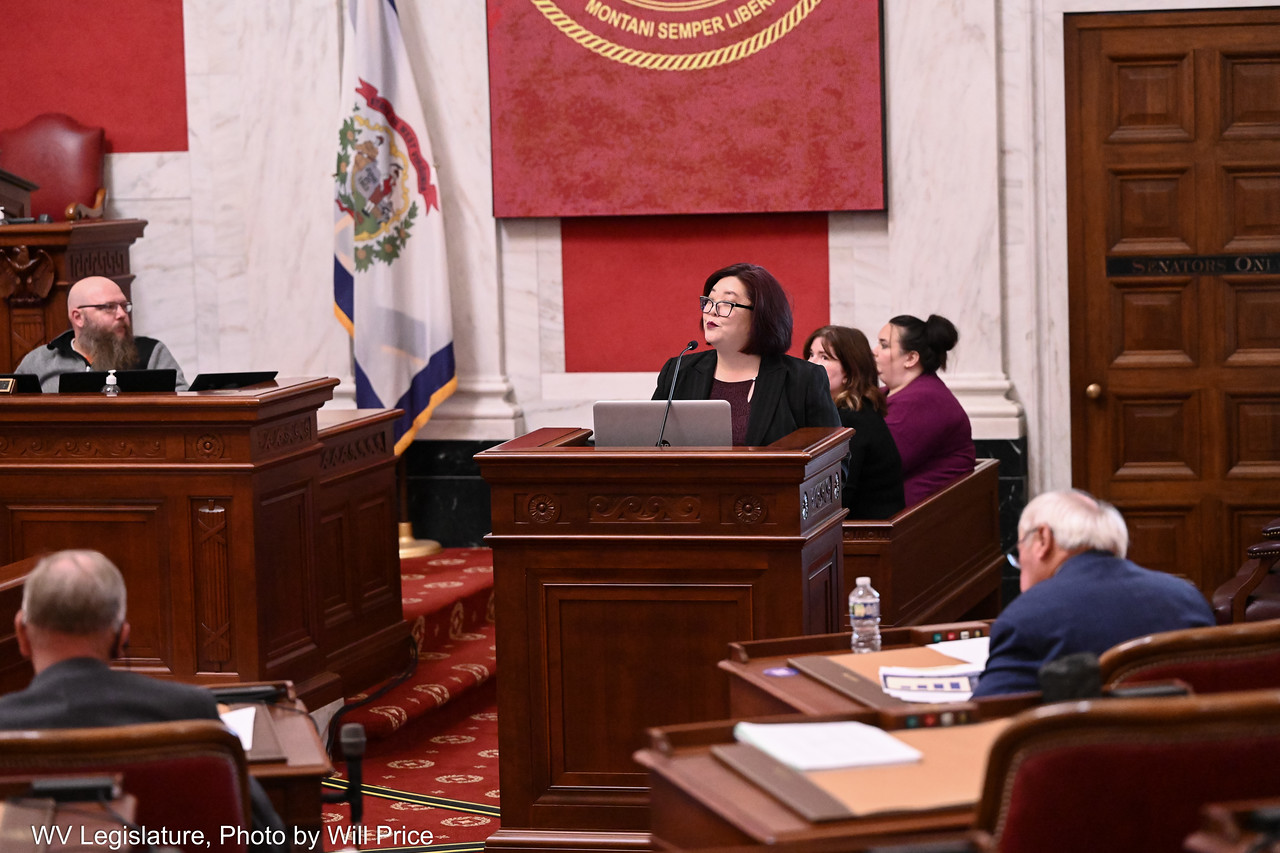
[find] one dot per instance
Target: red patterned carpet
(431, 767)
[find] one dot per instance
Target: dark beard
(107, 352)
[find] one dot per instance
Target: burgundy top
(737, 393)
(933, 436)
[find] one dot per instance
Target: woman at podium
(746, 319)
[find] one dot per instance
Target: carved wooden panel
(1157, 438)
(1149, 210)
(1252, 328)
(1154, 324)
(678, 508)
(1161, 538)
(1253, 434)
(1152, 99)
(598, 719)
(376, 557)
(1251, 207)
(286, 516)
(133, 535)
(1251, 96)
(210, 538)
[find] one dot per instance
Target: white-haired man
(1079, 593)
(100, 338)
(72, 623)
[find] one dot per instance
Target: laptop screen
(637, 423)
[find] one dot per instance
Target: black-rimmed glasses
(113, 307)
(720, 309)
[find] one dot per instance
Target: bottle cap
(863, 581)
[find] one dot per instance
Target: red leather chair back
(61, 155)
(1114, 775)
(1243, 656)
(188, 775)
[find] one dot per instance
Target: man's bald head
(93, 290)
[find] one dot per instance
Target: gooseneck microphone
(662, 442)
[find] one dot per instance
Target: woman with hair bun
(873, 487)
(928, 423)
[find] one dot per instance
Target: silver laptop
(637, 423)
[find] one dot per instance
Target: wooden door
(1173, 173)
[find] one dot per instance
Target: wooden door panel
(1154, 324)
(1173, 176)
(1252, 322)
(1152, 99)
(1250, 96)
(1157, 438)
(1151, 209)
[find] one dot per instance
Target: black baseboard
(1012, 454)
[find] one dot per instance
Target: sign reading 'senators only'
(1141, 265)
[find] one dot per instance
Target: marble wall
(235, 269)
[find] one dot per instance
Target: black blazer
(873, 488)
(789, 393)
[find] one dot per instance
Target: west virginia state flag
(390, 275)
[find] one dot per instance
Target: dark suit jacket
(873, 488)
(1095, 601)
(789, 393)
(85, 693)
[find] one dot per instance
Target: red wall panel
(631, 284)
(115, 64)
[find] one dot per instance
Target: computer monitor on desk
(129, 381)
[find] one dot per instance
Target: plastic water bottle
(112, 388)
(864, 616)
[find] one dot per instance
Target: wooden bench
(937, 561)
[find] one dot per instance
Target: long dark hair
(771, 315)
(850, 347)
(931, 339)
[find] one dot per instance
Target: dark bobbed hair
(853, 351)
(771, 318)
(931, 339)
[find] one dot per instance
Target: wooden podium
(257, 536)
(621, 575)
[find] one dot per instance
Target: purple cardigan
(933, 436)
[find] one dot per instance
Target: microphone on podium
(692, 345)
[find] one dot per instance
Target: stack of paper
(826, 746)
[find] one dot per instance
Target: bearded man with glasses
(100, 338)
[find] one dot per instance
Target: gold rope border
(674, 61)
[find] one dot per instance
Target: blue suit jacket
(1095, 601)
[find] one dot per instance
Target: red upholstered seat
(1125, 774)
(64, 157)
(187, 775)
(1209, 660)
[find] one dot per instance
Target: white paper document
(826, 746)
(240, 721)
(972, 650)
(931, 683)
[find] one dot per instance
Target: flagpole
(409, 546)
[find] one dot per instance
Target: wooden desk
(294, 783)
(98, 824)
(38, 264)
(620, 574)
(756, 690)
(699, 803)
(937, 561)
(257, 538)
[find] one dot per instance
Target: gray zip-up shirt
(57, 357)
